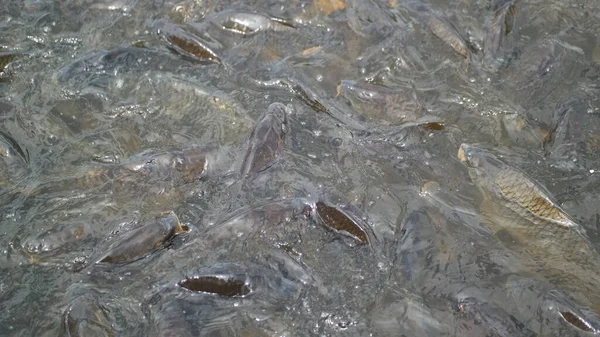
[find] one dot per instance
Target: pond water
(299, 168)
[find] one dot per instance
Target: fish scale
(512, 183)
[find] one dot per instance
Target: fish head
(171, 221)
(483, 165)
(279, 112)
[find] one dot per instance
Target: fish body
(447, 32)
(380, 103)
(266, 140)
(86, 318)
(144, 240)
(549, 240)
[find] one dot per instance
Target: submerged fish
(447, 32)
(266, 140)
(6, 57)
(339, 221)
(251, 23)
(187, 44)
(544, 234)
(381, 103)
(191, 163)
(545, 308)
(86, 318)
(251, 220)
(480, 318)
(170, 321)
(52, 240)
(144, 240)
(500, 26)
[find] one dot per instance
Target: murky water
(300, 168)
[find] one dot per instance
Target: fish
(6, 57)
(547, 308)
(188, 44)
(144, 240)
(86, 318)
(226, 280)
(52, 240)
(190, 162)
(251, 23)
(480, 318)
(339, 221)
(170, 321)
(500, 26)
(380, 103)
(549, 240)
(216, 284)
(266, 140)
(254, 219)
(447, 32)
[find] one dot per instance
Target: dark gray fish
(447, 32)
(13, 148)
(188, 44)
(14, 163)
(6, 57)
(171, 322)
(144, 240)
(339, 221)
(86, 318)
(479, 318)
(413, 246)
(224, 285)
(256, 219)
(210, 298)
(380, 103)
(51, 241)
(251, 23)
(266, 140)
(191, 163)
(549, 310)
(500, 26)
(242, 280)
(93, 67)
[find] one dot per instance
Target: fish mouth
(461, 154)
(469, 155)
(465, 153)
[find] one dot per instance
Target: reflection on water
(308, 168)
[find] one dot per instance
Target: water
(115, 112)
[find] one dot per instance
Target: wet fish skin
(85, 318)
(519, 192)
(251, 23)
(263, 283)
(446, 32)
(53, 239)
(144, 240)
(335, 219)
(547, 237)
(216, 284)
(257, 218)
(380, 103)
(171, 323)
(150, 163)
(499, 28)
(547, 308)
(191, 162)
(6, 57)
(187, 44)
(490, 319)
(194, 163)
(266, 140)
